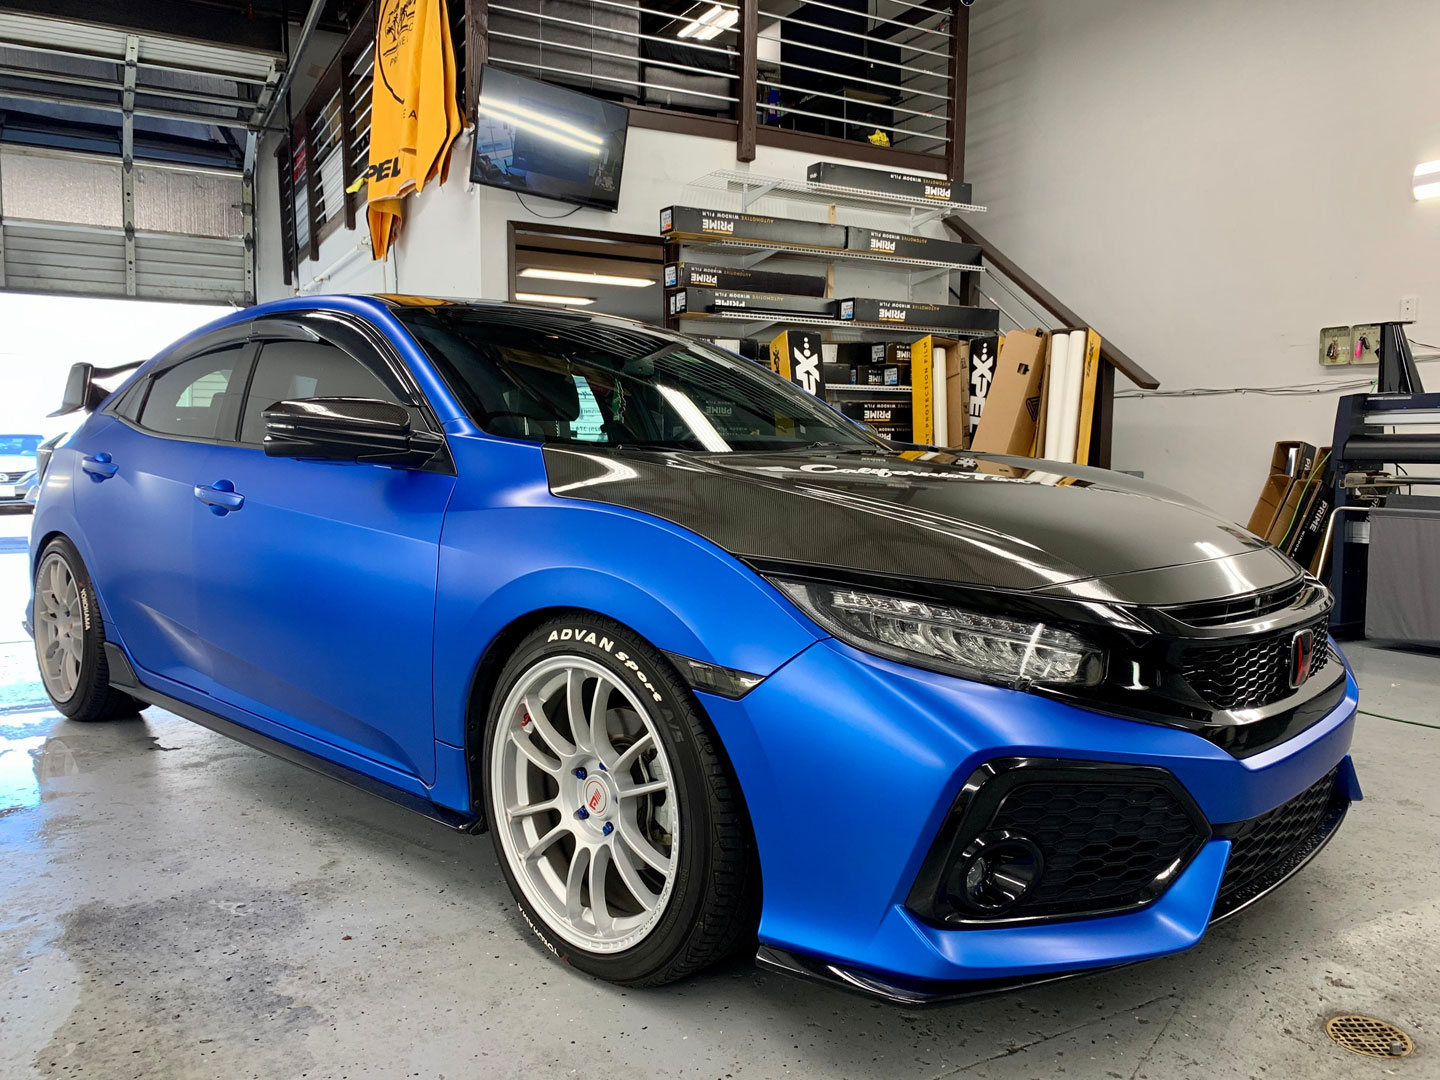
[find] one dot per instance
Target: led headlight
(1012, 652)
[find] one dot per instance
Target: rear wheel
(70, 639)
(616, 819)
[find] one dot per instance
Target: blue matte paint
(345, 609)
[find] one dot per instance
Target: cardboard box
(1285, 528)
(692, 222)
(925, 377)
(891, 416)
(704, 276)
(905, 246)
(1012, 406)
(1289, 462)
(708, 301)
(1089, 384)
(957, 395)
(983, 351)
(904, 313)
(796, 354)
(909, 185)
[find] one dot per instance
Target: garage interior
(1255, 229)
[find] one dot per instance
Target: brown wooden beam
(959, 70)
(1037, 292)
(749, 72)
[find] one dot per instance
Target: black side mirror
(348, 429)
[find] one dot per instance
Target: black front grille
(1233, 609)
(1252, 672)
(1261, 846)
(1104, 844)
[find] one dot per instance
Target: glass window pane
(194, 398)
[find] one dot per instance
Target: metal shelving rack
(747, 254)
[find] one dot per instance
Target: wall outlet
(1409, 308)
(1335, 345)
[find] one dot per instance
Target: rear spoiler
(81, 392)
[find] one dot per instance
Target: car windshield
(23, 445)
(559, 377)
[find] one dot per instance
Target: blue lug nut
(582, 813)
(608, 829)
(580, 773)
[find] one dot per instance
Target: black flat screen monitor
(540, 139)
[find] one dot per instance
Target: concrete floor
(173, 904)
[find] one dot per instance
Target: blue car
(709, 661)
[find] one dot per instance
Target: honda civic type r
(708, 660)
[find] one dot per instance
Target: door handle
(99, 467)
(220, 496)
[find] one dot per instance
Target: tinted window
(194, 398)
(292, 370)
(571, 379)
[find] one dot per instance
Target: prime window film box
(905, 246)
(904, 313)
(694, 223)
(702, 276)
(710, 301)
(908, 185)
(890, 416)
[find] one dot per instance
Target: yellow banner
(414, 117)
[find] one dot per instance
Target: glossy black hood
(979, 520)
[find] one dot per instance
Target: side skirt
(123, 677)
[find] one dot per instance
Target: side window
(195, 398)
(290, 370)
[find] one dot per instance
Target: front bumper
(850, 765)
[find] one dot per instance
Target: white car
(18, 461)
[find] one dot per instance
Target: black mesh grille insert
(1252, 672)
(1263, 844)
(1104, 844)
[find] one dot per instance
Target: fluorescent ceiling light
(1426, 183)
(550, 298)
(711, 24)
(544, 125)
(586, 278)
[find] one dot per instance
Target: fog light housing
(996, 871)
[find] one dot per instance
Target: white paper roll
(1055, 365)
(1070, 396)
(937, 384)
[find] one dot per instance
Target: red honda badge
(1302, 656)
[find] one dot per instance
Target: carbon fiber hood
(982, 520)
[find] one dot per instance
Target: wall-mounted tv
(540, 139)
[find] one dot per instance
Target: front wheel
(616, 819)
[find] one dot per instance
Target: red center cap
(596, 797)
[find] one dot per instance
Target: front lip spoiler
(898, 990)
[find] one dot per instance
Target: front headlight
(1011, 652)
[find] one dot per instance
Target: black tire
(714, 905)
(93, 699)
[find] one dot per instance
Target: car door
(137, 506)
(318, 588)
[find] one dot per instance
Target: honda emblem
(1302, 657)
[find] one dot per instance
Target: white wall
(1210, 184)
(454, 239)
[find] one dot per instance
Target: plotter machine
(1384, 532)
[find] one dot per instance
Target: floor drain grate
(1368, 1036)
